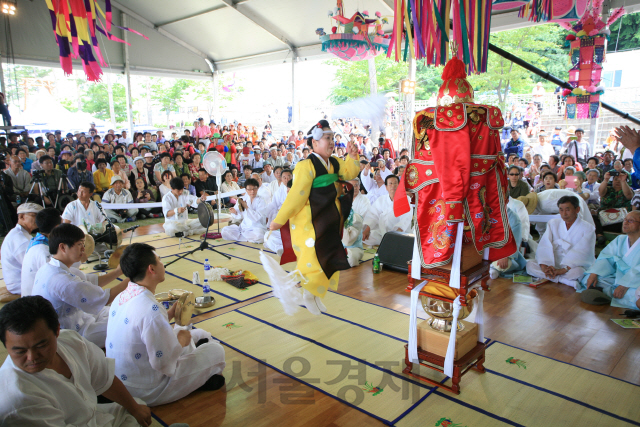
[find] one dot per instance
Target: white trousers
(354, 256)
(570, 278)
(189, 227)
(375, 237)
(195, 366)
(274, 242)
(238, 233)
(114, 217)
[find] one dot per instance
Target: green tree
(352, 78)
(541, 45)
(169, 93)
(625, 33)
(70, 104)
(205, 92)
(95, 101)
(14, 75)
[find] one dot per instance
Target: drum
(112, 237)
(185, 307)
(89, 247)
(114, 258)
(207, 215)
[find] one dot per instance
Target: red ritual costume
(458, 174)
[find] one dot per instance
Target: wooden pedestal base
(474, 359)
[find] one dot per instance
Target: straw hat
(530, 201)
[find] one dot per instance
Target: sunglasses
(514, 174)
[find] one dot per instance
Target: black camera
(38, 176)
(614, 173)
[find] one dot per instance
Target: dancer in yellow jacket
(314, 208)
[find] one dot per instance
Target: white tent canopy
(194, 38)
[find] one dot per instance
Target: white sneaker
(310, 302)
(493, 273)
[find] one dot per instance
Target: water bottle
(206, 290)
(376, 264)
(207, 270)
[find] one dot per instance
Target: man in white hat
(15, 245)
(117, 194)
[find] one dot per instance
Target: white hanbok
(79, 216)
(46, 398)
(352, 238)
(34, 259)
(13, 249)
(361, 205)
(267, 179)
(373, 191)
(253, 225)
(273, 241)
(560, 248)
(265, 192)
(548, 205)
(180, 222)
(381, 219)
(80, 303)
(149, 359)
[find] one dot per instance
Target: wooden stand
(473, 270)
(474, 359)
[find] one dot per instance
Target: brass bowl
(441, 312)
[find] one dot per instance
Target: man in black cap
(579, 149)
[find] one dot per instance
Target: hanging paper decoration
(428, 26)
(587, 53)
(75, 23)
(356, 38)
(552, 10)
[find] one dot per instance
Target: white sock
(310, 303)
(493, 273)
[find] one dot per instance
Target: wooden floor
(550, 321)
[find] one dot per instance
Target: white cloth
(560, 248)
(579, 150)
(267, 179)
(352, 240)
(265, 192)
(47, 398)
(12, 252)
(381, 219)
(521, 210)
(149, 359)
(274, 206)
(373, 191)
(274, 186)
(79, 216)
(76, 297)
(548, 205)
(110, 196)
(253, 225)
(34, 259)
(273, 241)
(361, 205)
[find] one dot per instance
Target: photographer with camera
(618, 195)
(49, 179)
(79, 172)
(8, 214)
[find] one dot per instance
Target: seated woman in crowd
(229, 185)
(517, 187)
(618, 195)
(179, 165)
(195, 166)
(165, 187)
(102, 177)
(568, 160)
(117, 170)
(549, 182)
(142, 194)
(164, 166)
(577, 185)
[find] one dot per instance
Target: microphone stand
(203, 245)
(101, 266)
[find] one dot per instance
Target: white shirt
(79, 216)
(13, 249)
(265, 192)
(361, 205)
(34, 259)
(76, 297)
(268, 178)
(594, 194)
(382, 218)
(255, 164)
(274, 186)
(169, 203)
(545, 150)
(255, 214)
(46, 398)
(125, 141)
(110, 196)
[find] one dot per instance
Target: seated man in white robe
(273, 239)
(615, 276)
(352, 238)
(361, 203)
(53, 377)
(117, 194)
(83, 212)
(375, 187)
(174, 208)
(566, 250)
(157, 362)
(380, 219)
(251, 211)
(264, 191)
(79, 299)
(14, 248)
(38, 254)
